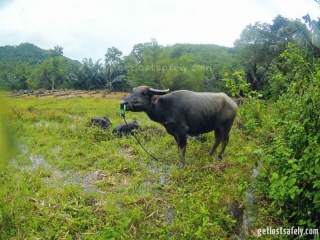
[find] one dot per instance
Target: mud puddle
(157, 176)
(60, 178)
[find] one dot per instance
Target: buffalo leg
(182, 145)
(225, 140)
(217, 136)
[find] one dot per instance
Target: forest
(199, 67)
(273, 71)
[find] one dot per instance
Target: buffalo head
(140, 100)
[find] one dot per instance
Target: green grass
(44, 195)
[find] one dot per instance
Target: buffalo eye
(144, 93)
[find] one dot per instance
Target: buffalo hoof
(181, 165)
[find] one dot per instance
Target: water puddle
(60, 178)
(87, 181)
(168, 215)
(157, 175)
(249, 212)
(74, 117)
(37, 161)
(46, 124)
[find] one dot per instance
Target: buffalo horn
(158, 92)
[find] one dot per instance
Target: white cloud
(89, 28)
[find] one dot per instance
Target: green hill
(24, 53)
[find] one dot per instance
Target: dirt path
(65, 93)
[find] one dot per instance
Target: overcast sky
(86, 29)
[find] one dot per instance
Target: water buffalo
(126, 129)
(184, 112)
(101, 122)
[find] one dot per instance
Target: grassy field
(68, 180)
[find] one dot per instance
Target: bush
(291, 162)
(289, 178)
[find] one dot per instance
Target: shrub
(289, 175)
(291, 163)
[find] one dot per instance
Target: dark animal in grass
(102, 122)
(126, 129)
(184, 112)
(198, 137)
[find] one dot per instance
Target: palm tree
(10, 82)
(93, 73)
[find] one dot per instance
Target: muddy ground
(66, 93)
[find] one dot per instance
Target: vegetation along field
(62, 178)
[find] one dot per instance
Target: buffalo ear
(158, 92)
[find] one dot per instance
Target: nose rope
(122, 112)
